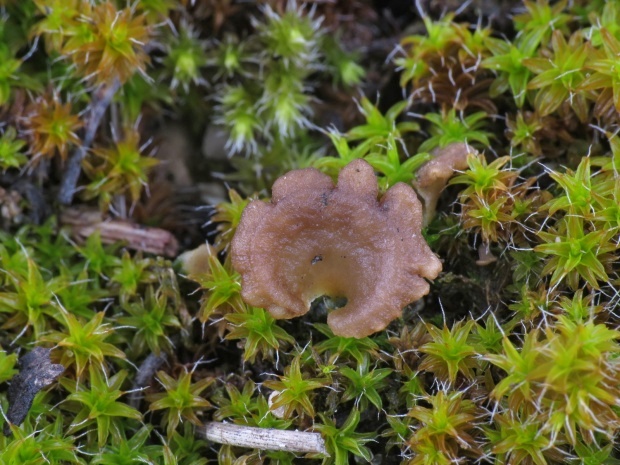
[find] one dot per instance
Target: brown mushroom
(316, 239)
(433, 176)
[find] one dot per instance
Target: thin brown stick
(83, 222)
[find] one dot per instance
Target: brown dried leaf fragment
(433, 176)
(317, 239)
(36, 372)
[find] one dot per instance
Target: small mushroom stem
(262, 438)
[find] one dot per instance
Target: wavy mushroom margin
(315, 239)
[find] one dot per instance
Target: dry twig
(84, 222)
(263, 438)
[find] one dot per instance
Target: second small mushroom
(433, 176)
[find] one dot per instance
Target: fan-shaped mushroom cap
(316, 239)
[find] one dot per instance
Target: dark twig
(100, 104)
(145, 374)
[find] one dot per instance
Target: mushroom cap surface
(316, 239)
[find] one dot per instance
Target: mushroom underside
(366, 274)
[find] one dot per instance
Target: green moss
(516, 361)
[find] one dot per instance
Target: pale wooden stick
(263, 438)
